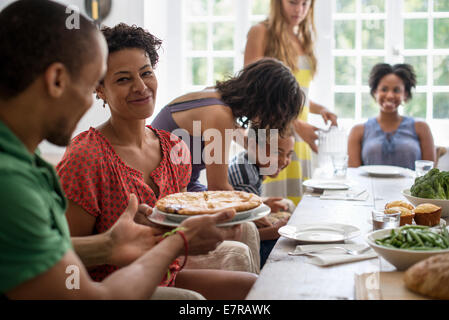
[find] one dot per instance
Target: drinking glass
(422, 167)
(382, 220)
(340, 164)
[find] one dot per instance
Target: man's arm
(202, 236)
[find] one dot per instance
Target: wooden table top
(291, 278)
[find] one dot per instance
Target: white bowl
(402, 259)
(444, 204)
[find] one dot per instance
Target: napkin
(334, 256)
(353, 194)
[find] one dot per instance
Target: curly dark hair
(123, 36)
(264, 93)
(404, 71)
(33, 35)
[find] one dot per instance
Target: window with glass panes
(370, 31)
(214, 38)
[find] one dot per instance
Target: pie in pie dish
(207, 202)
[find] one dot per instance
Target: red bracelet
(186, 247)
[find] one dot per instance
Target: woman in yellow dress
(288, 35)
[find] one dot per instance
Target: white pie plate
(319, 232)
(162, 218)
(325, 184)
(383, 171)
(175, 217)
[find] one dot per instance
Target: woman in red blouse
(103, 165)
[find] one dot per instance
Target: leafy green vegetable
(433, 185)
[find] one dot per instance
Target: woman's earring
(104, 104)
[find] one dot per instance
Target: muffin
(399, 203)
(406, 214)
(427, 214)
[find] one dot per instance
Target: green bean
(445, 232)
(409, 237)
(424, 237)
(415, 236)
(405, 245)
(444, 240)
(412, 226)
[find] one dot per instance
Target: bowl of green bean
(407, 245)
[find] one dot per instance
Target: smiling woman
(103, 165)
(391, 139)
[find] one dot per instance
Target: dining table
(287, 277)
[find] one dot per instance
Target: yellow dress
(288, 183)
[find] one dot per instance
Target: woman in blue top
(389, 138)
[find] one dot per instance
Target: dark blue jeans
(265, 248)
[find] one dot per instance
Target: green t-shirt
(34, 234)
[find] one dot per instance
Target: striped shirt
(243, 175)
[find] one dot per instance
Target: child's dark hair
(404, 71)
(264, 93)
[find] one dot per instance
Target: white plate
(254, 214)
(383, 171)
(181, 217)
(325, 184)
(320, 232)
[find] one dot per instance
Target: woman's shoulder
(258, 30)
(167, 138)
(86, 140)
(85, 149)
(358, 128)
(357, 132)
(420, 125)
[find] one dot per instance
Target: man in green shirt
(49, 71)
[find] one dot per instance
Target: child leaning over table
(246, 172)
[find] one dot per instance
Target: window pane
(197, 71)
(420, 66)
(367, 64)
(196, 7)
(223, 68)
(415, 5)
(223, 8)
(345, 6)
(441, 32)
(197, 36)
(441, 105)
(223, 36)
(373, 34)
(416, 107)
(373, 6)
(441, 5)
(369, 106)
(415, 33)
(345, 105)
(260, 7)
(441, 70)
(345, 34)
(345, 70)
